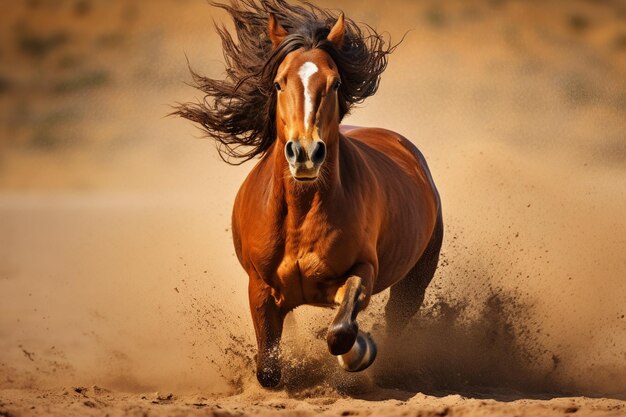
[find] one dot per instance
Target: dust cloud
(117, 267)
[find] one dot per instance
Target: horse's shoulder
(379, 144)
(252, 200)
(258, 179)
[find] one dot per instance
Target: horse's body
(381, 210)
(330, 215)
(378, 218)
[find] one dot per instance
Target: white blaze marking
(306, 70)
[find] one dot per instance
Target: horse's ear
(276, 31)
(336, 33)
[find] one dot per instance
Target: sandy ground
(96, 401)
(119, 290)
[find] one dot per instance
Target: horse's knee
(341, 337)
(360, 356)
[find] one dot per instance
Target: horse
(331, 214)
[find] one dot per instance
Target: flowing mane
(238, 112)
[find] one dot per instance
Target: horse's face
(307, 110)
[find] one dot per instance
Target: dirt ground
(119, 290)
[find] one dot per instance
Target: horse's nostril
(319, 153)
(290, 152)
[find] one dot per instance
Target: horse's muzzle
(304, 162)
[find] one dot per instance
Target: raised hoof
(268, 378)
(361, 355)
(341, 337)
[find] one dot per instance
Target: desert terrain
(120, 293)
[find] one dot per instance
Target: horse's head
(320, 65)
(307, 108)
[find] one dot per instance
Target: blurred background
(116, 261)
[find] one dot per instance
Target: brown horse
(330, 214)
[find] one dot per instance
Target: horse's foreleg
(268, 326)
(355, 349)
(344, 328)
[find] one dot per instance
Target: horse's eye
(277, 86)
(336, 85)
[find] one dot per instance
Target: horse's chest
(311, 268)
